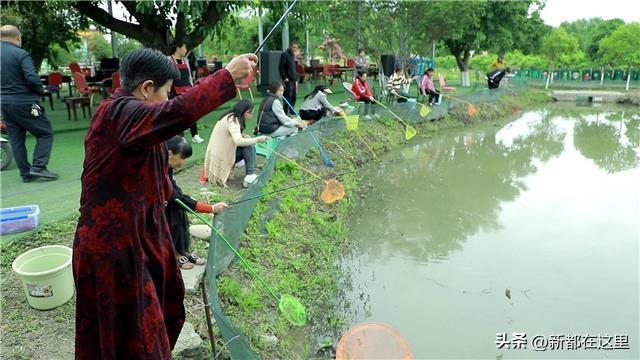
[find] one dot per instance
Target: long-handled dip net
(333, 189)
(290, 307)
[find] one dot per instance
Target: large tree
(43, 25)
(622, 48)
(465, 26)
(589, 32)
(560, 49)
(158, 24)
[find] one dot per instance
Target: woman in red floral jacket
(128, 286)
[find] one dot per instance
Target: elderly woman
(228, 146)
(129, 291)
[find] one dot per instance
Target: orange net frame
(333, 191)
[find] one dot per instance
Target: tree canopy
(622, 47)
(45, 25)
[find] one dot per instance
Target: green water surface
(546, 206)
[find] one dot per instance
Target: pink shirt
(427, 84)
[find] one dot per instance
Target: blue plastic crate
(19, 219)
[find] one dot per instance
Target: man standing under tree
(20, 93)
(289, 75)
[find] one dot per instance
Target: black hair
(429, 69)
(316, 90)
(179, 146)
(174, 46)
(146, 64)
(274, 86)
(360, 74)
(361, 50)
(238, 111)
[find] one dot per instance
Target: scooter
(6, 155)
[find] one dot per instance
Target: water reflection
(609, 141)
(463, 177)
(451, 223)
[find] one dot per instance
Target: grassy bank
(293, 247)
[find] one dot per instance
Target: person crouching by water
(316, 106)
(179, 150)
(494, 77)
(272, 120)
(228, 146)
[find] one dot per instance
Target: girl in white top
(228, 146)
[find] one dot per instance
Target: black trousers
(19, 119)
(492, 84)
(433, 94)
(314, 115)
(290, 95)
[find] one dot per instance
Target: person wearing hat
(316, 106)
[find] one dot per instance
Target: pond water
(545, 207)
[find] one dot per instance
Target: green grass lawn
(59, 199)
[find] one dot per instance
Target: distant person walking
(20, 92)
(289, 75)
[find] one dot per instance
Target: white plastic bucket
(46, 276)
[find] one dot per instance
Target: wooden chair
(443, 86)
(54, 83)
(84, 88)
(245, 84)
(328, 73)
(115, 82)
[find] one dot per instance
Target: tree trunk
(358, 42)
(548, 78)
(628, 78)
(462, 59)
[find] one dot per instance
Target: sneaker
(28, 178)
(240, 164)
(377, 116)
(197, 139)
(250, 179)
(367, 117)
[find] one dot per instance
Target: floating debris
(507, 293)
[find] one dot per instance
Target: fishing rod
(275, 27)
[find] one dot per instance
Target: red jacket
(361, 89)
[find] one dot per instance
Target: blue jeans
(248, 154)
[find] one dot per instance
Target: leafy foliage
(43, 24)
(560, 48)
(622, 47)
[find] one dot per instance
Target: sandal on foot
(195, 259)
(184, 263)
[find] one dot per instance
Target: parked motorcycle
(6, 155)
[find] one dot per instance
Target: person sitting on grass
(179, 150)
(272, 120)
(395, 83)
(494, 77)
(228, 146)
(363, 93)
(316, 106)
(427, 87)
